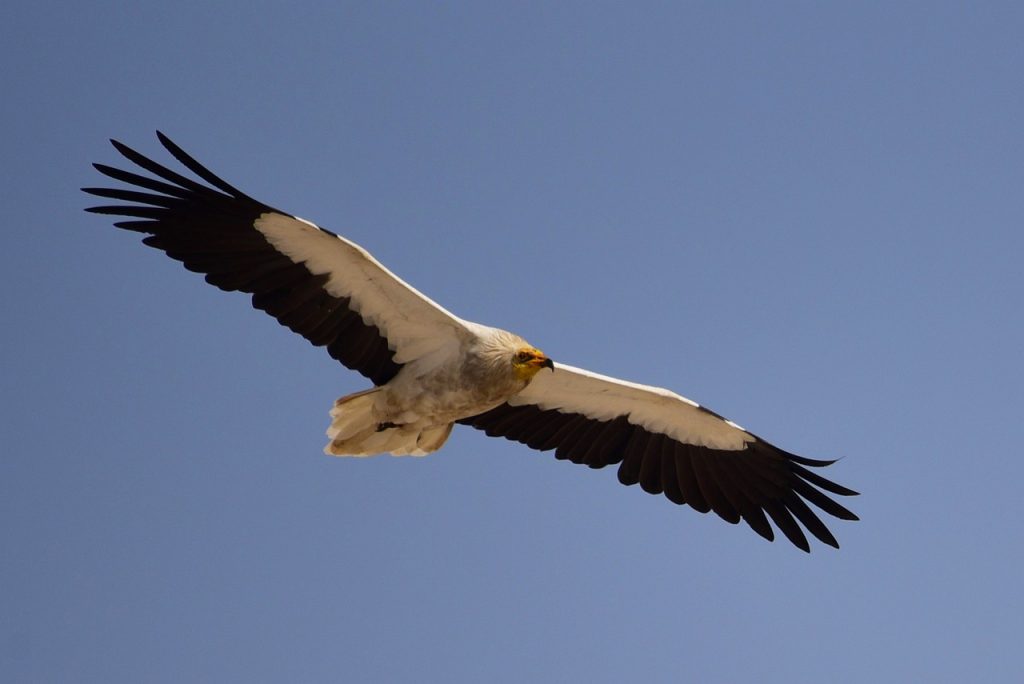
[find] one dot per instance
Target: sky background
(806, 216)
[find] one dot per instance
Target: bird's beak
(539, 360)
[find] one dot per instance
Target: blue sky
(805, 216)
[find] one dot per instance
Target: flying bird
(431, 369)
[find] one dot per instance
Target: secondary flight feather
(431, 369)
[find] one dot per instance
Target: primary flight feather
(431, 369)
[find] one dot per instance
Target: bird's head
(527, 362)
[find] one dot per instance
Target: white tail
(356, 430)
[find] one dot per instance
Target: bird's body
(431, 369)
(414, 413)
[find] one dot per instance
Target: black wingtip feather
(822, 482)
(783, 519)
(197, 168)
(810, 521)
(822, 501)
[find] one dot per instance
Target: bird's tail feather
(356, 430)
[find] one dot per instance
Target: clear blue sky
(806, 216)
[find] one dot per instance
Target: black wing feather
(753, 484)
(211, 231)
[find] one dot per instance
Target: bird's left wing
(320, 285)
(669, 444)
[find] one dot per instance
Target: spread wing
(671, 445)
(322, 286)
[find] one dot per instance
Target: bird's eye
(523, 357)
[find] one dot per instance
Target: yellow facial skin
(528, 361)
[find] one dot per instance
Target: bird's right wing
(669, 444)
(320, 285)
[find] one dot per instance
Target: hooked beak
(537, 360)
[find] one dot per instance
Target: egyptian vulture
(431, 369)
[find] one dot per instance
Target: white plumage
(656, 409)
(414, 325)
(431, 369)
